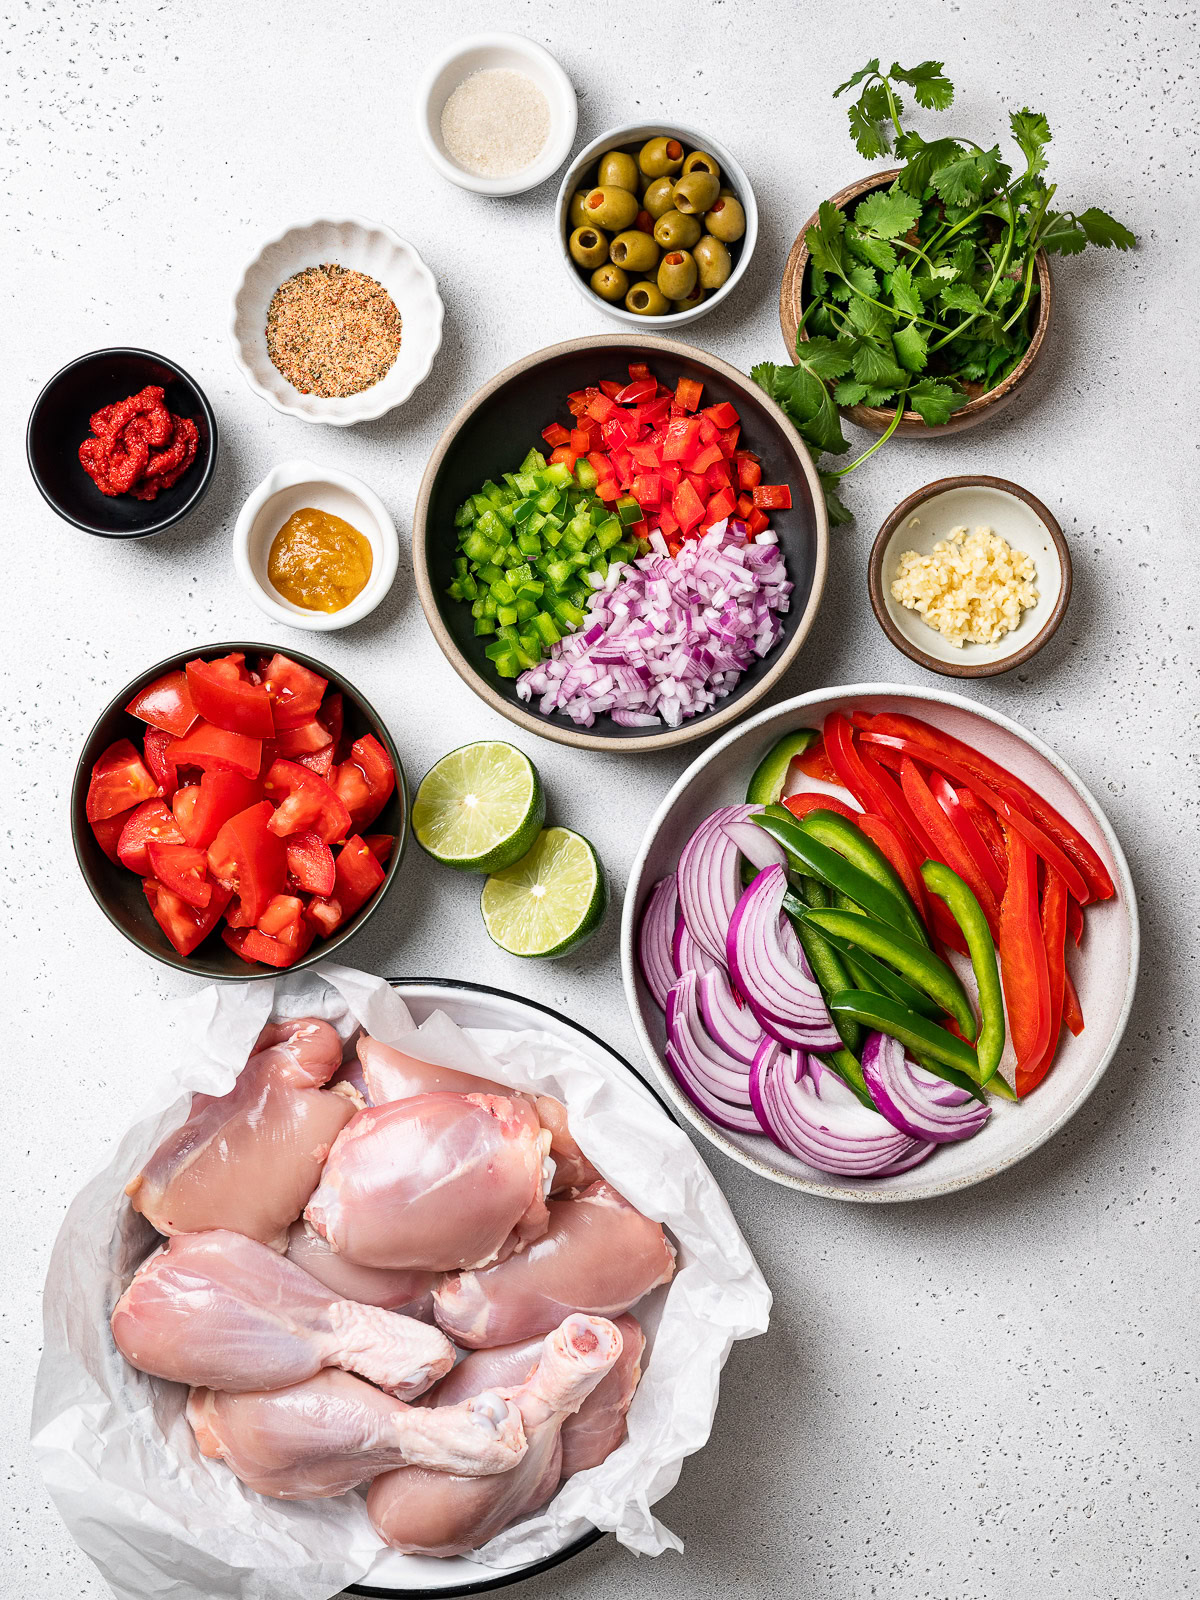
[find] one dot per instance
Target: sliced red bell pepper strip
(1052, 823)
(249, 859)
(1023, 963)
(1072, 1010)
(181, 869)
(213, 748)
(813, 800)
(166, 703)
(815, 763)
(120, 779)
(151, 820)
(869, 785)
(1054, 931)
(948, 847)
(989, 831)
(963, 823)
(222, 697)
(1074, 921)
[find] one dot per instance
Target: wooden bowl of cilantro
(918, 300)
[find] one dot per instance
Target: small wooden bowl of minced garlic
(970, 577)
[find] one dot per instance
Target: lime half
(480, 808)
(549, 903)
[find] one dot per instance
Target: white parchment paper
(118, 1458)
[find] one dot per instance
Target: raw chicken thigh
(249, 1159)
(321, 1437)
(389, 1075)
(437, 1182)
(445, 1514)
(600, 1255)
(410, 1293)
(219, 1311)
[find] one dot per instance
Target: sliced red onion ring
(687, 956)
(654, 939)
(758, 847)
(718, 1073)
(770, 971)
(708, 881)
(814, 1122)
(735, 1118)
(913, 1106)
(734, 1027)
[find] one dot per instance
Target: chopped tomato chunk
(225, 699)
(248, 858)
(119, 780)
(181, 869)
(151, 821)
(166, 703)
(210, 747)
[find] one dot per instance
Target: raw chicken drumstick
(595, 1430)
(390, 1075)
(249, 1159)
(321, 1437)
(410, 1293)
(445, 1514)
(600, 1254)
(437, 1182)
(219, 1311)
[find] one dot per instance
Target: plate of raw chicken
(397, 1280)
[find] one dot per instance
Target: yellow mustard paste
(319, 561)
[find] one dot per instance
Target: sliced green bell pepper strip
(936, 1049)
(770, 775)
(875, 978)
(818, 861)
(968, 913)
(840, 835)
(827, 967)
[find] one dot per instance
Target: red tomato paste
(137, 446)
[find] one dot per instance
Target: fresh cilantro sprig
(924, 294)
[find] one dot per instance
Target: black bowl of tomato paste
(119, 892)
(61, 420)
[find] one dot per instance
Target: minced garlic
(972, 588)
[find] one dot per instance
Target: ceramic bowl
(488, 52)
(360, 245)
(491, 435)
(979, 409)
(118, 892)
(289, 488)
(58, 425)
(1104, 969)
(931, 514)
(631, 137)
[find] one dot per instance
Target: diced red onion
(732, 1026)
(718, 1072)
(654, 939)
(687, 956)
(906, 1096)
(708, 880)
(771, 972)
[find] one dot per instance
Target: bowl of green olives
(656, 224)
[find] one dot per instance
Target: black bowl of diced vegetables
(496, 632)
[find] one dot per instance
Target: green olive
(712, 262)
(659, 156)
(646, 299)
(726, 220)
(635, 250)
(657, 196)
(617, 171)
(609, 282)
(674, 231)
(588, 246)
(576, 215)
(677, 274)
(611, 208)
(695, 192)
(689, 301)
(701, 161)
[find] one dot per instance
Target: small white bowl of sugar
(496, 114)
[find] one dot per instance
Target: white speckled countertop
(992, 1395)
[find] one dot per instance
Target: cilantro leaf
(807, 402)
(961, 297)
(870, 122)
(870, 70)
(929, 83)
(825, 241)
(837, 511)
(1032, 134)
(934, 402)
(870, 320)
(905, 295)
(873, 367)
(887, 213)
(923, 159)
(1061, 234)
(912, 348)
(959, 182)
(1104, 230)
(826, 357)
(867, 248)
(993, 169)
(849, 392)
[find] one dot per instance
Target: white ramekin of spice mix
(336, 320)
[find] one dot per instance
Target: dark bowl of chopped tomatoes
(91, 388)
(237, 810)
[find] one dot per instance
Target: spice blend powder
(332, 331)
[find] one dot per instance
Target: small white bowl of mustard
(315, 547)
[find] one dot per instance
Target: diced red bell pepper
(249, 858)
(296, 692)
(749, 472)
(744, 505)
(948, 846)
(646, 489)
(1023, 965)
(683, 439)
(707, 456)
(185, 926)
(757, 522)
(724, 414)
(1054, 931)
(218, 749)
(120, 779)
(729, 442)
(722, 505)
(556, 435)
(166, 703)
(108, 834)
(304, 803)
(580, 441)
(155, 746)
(687, 506)
(637, 390)
(667, 522)
(310, 862)
(201, 810)
(709, 432)
(687, 393)
(181, 869)
(381, 846)
(773, 497)
(225, 699)
(638, 369)
(359, 874)
(368, 764)
(609, 387)
(601, 407)
(814, 800)
(565, 455)
(719, 476)
(151, 820)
